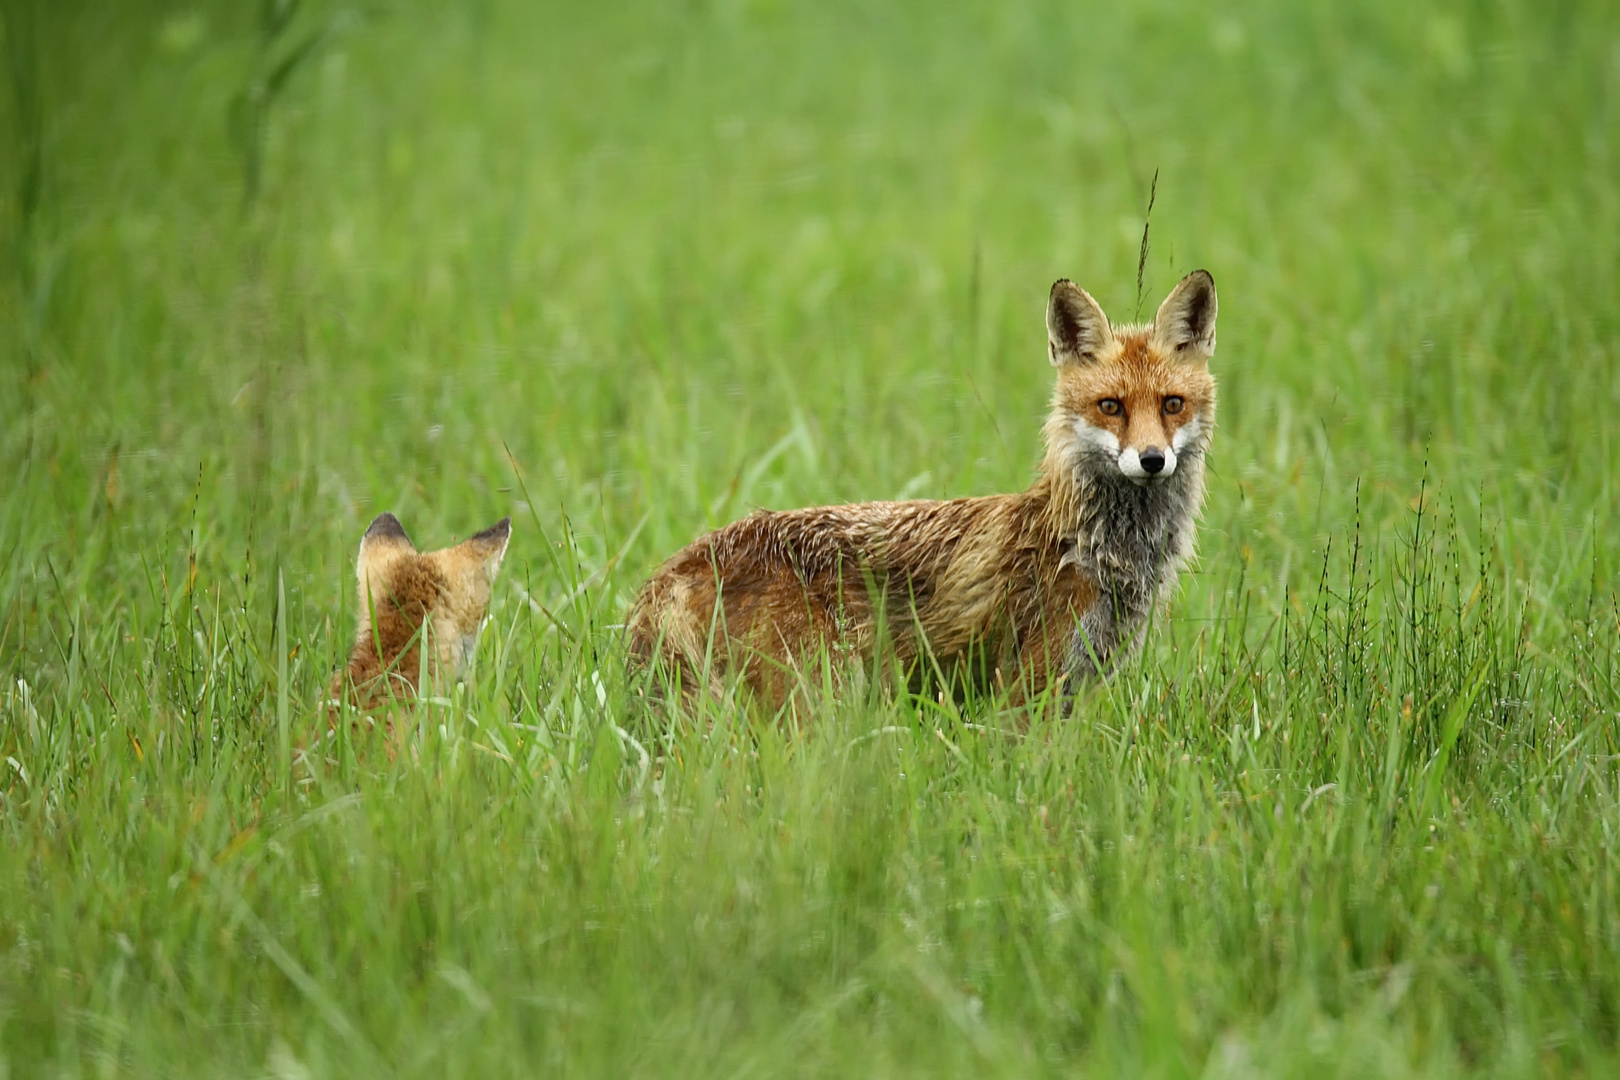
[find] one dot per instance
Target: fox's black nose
(1152, 460)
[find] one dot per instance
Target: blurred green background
(624, 272)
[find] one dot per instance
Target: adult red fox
(1026, 591)
(410, 599)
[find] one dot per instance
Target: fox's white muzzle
(1148, 464)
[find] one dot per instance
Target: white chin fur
(1130, 463)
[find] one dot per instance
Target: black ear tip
(1060, 284)
(386, 526)
(501, 530)
(1203, 277)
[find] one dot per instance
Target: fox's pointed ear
(386, 537)
(1077, 331)
(1186, 320)
(385, 531)
(489, 546)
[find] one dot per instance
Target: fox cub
(411, 600)
(1028, 591)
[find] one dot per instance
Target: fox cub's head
(414, 604)
(1139, 399)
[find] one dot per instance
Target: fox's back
(951, 573)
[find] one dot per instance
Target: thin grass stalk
(283, 707)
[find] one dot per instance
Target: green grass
(624, 272)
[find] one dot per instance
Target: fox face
(419, 612)
(1137, 398)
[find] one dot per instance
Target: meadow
(626, 271)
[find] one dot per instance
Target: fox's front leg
(1044, 661)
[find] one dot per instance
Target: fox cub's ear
(1076, 329)
(1186, 320)
(386, 531)
(385, 540)
(489, 547)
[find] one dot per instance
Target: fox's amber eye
(1172, 405)
(1110, 406)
